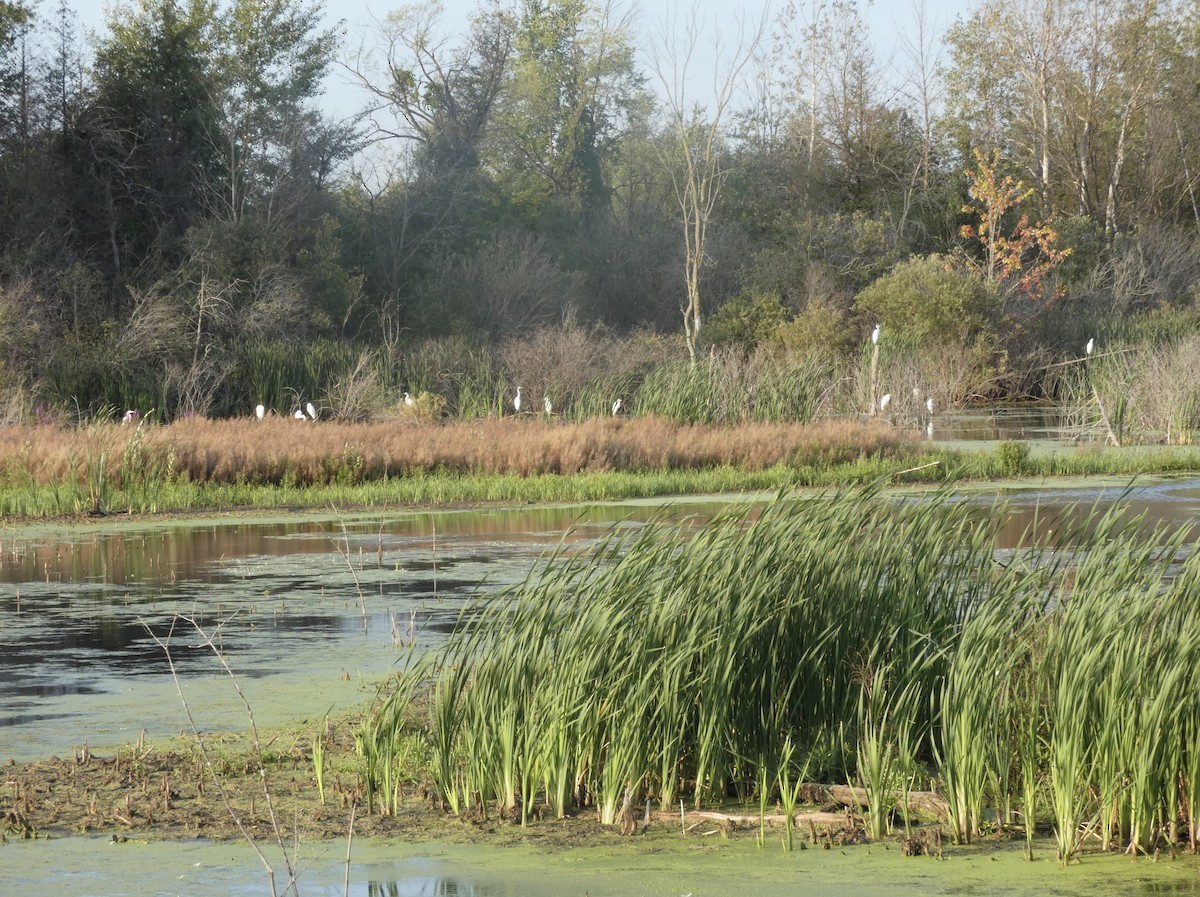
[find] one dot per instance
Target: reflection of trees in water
(163, 557)
(424, 887)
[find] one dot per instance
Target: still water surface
(312, 613)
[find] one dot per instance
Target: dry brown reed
(278, 449)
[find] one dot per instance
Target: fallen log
(928, 802)
(816, 817)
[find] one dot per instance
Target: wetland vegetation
(884, 648)
(278, 463)
(853, 639)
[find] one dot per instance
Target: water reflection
(432, 886)
(1025, 422)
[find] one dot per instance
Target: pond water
(661, 864)
(312, 613)
(1033, 423)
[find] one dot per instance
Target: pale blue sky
(890, 22)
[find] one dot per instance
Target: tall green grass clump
(727, 389)
(681, 662)
(703, 662)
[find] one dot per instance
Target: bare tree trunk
(1187, 174)
(1085, 171)
(1114, 182)
(699, 175)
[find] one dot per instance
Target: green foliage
(823, 328)
(425, 407)
(1084, 239)
(1012, 455)
(282, 376)
(747, 320)
(154, 115)
(928, 299)
(91, 376)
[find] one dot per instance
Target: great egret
(260, 412)
(885, 401)
(132, 416)
(616, 407)
(929, 405)
(408, 401)
(1090, 346)
(299, 415)
(546, 404)
(517, 401)
(875, 336)
(312, 412)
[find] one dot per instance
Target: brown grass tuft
(276, 449)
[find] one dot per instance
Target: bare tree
(696, 167)
(923, 88)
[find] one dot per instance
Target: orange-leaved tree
(1022, 255)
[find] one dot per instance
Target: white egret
(929, 405)
(1090, 346)
(885, 401)
(312, 412)
(408, 401)
(260, 411)
(517, 401)
(546, 404)
(299, 415)
(132, 416)
(875, 336)
(616, 407)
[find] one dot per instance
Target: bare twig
(207, 640)
(349, 843)
(343, 548)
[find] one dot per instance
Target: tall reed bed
(851, 638)
(283, 377)
(731, 389)
(681, 662)
(1139, 391)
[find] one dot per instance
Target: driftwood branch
(927, 802)
(816, 817)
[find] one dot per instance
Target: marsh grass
(198, 462)
(717, 660)
(751, 647)
(282, 463)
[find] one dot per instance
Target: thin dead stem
(343, 548)
(349, 844)
(208, 641)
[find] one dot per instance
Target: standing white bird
(929, 405)
(408, 401)
(885, 401)
(260, 411)
(875, 336)
(517, 401)
(312, 412)
(616, 407)
(1090, 346)
(299, 415)
(132, 416)
(546, 404)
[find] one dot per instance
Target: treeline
(185, 226)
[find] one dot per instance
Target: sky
(890, 22)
